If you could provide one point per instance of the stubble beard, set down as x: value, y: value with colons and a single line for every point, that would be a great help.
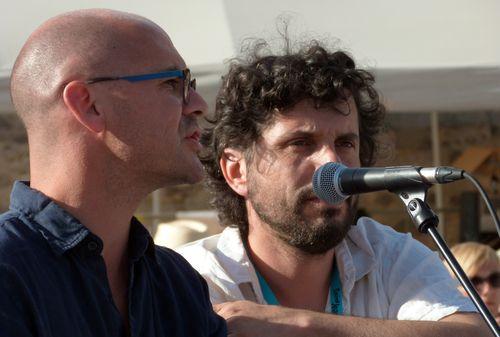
x: 292, y: 226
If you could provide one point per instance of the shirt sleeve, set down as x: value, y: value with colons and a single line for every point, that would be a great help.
x: 420, y: 287
x: 16, y: 317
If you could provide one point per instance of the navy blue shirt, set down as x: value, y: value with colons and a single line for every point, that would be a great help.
x: 53, y: 279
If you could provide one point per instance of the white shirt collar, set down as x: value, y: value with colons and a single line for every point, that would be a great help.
x: 354, y: 255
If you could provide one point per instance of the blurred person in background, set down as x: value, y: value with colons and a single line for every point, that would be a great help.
x: 481, y: 264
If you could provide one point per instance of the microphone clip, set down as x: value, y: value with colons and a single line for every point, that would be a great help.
x: 420, y: 212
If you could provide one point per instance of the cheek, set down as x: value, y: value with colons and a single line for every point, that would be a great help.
x: 124, y: 124
x: 348, y: 156
x: 352, y: 161
x: 267, y: 164
x: 164, y: 123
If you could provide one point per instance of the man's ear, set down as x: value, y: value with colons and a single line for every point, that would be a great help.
x: 234, y: 168
x: 80, y: 102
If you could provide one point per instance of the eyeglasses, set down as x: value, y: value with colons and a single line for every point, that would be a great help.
x: 182, y: 74
x: 493, y: 280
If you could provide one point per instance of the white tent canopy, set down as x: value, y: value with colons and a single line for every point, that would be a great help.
x: 427, y: 55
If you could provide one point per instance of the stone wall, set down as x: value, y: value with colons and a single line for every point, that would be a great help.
x: 407, y: 140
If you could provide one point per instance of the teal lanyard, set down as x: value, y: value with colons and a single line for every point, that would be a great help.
x: 335, y: 292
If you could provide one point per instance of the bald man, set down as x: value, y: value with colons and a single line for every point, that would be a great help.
x: 111, y: 115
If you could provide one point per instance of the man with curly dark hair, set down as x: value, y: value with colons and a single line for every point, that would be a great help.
x: 277, y: 119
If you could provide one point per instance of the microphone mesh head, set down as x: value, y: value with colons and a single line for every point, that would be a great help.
x: 326, y: 183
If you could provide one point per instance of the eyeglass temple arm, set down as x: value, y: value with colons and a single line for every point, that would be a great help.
x: 137, y: 78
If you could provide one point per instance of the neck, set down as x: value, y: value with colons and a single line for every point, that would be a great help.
x: 298, y: 279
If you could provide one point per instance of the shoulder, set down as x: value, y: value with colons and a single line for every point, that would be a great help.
x: 218, y: 254
x: 18, y: 250
x: 380, y: 239
x: 393, y: 253
x: 413, y: 276
x: 376, y: 232
x: 178, y: 275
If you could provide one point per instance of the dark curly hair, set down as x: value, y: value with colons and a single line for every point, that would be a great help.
x: 259, y: 87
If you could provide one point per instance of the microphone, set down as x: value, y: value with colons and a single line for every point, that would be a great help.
x: 334, y: 182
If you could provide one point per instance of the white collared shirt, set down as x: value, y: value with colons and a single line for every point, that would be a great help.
x: 384, y: 274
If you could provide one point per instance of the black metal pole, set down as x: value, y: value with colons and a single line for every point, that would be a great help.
x: 455, y: 266
x: 426, y: 221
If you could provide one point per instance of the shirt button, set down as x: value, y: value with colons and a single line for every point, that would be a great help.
x: 92, y: 246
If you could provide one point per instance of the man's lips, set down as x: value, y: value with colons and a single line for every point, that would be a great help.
x: 193, y: 140
x: 195, y: 135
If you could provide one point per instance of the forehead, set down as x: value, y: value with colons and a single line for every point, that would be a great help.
x: 339, y: 119
x: 149, y: 47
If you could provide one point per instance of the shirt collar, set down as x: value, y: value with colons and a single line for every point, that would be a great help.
x: 233, y: 256
x: 140, y: 241
x: 62, y: 230
x: 354, y: 255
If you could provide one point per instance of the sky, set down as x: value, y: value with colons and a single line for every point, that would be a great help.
x: 381, y: 33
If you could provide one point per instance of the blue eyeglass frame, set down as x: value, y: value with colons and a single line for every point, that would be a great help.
x: 184, y: 74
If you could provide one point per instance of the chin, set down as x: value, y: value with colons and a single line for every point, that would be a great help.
x: 197, y: 170
x: 193, y: 173
x: 189, y: 173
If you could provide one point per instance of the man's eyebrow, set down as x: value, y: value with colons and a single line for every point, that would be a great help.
x: 295, y: 134
x: 301, y: 132
x: 310, y: 133
x: 349, y: 135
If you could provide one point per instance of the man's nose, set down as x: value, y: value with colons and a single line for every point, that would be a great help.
x: 196, y: 104
x: 328, y: 154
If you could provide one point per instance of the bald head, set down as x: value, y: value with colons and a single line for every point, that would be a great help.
x: 76, y: 46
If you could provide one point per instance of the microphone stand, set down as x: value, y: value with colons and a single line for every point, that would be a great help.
x: 426, y: 221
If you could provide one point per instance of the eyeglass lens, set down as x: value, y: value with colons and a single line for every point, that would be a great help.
x: 188, y: 83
